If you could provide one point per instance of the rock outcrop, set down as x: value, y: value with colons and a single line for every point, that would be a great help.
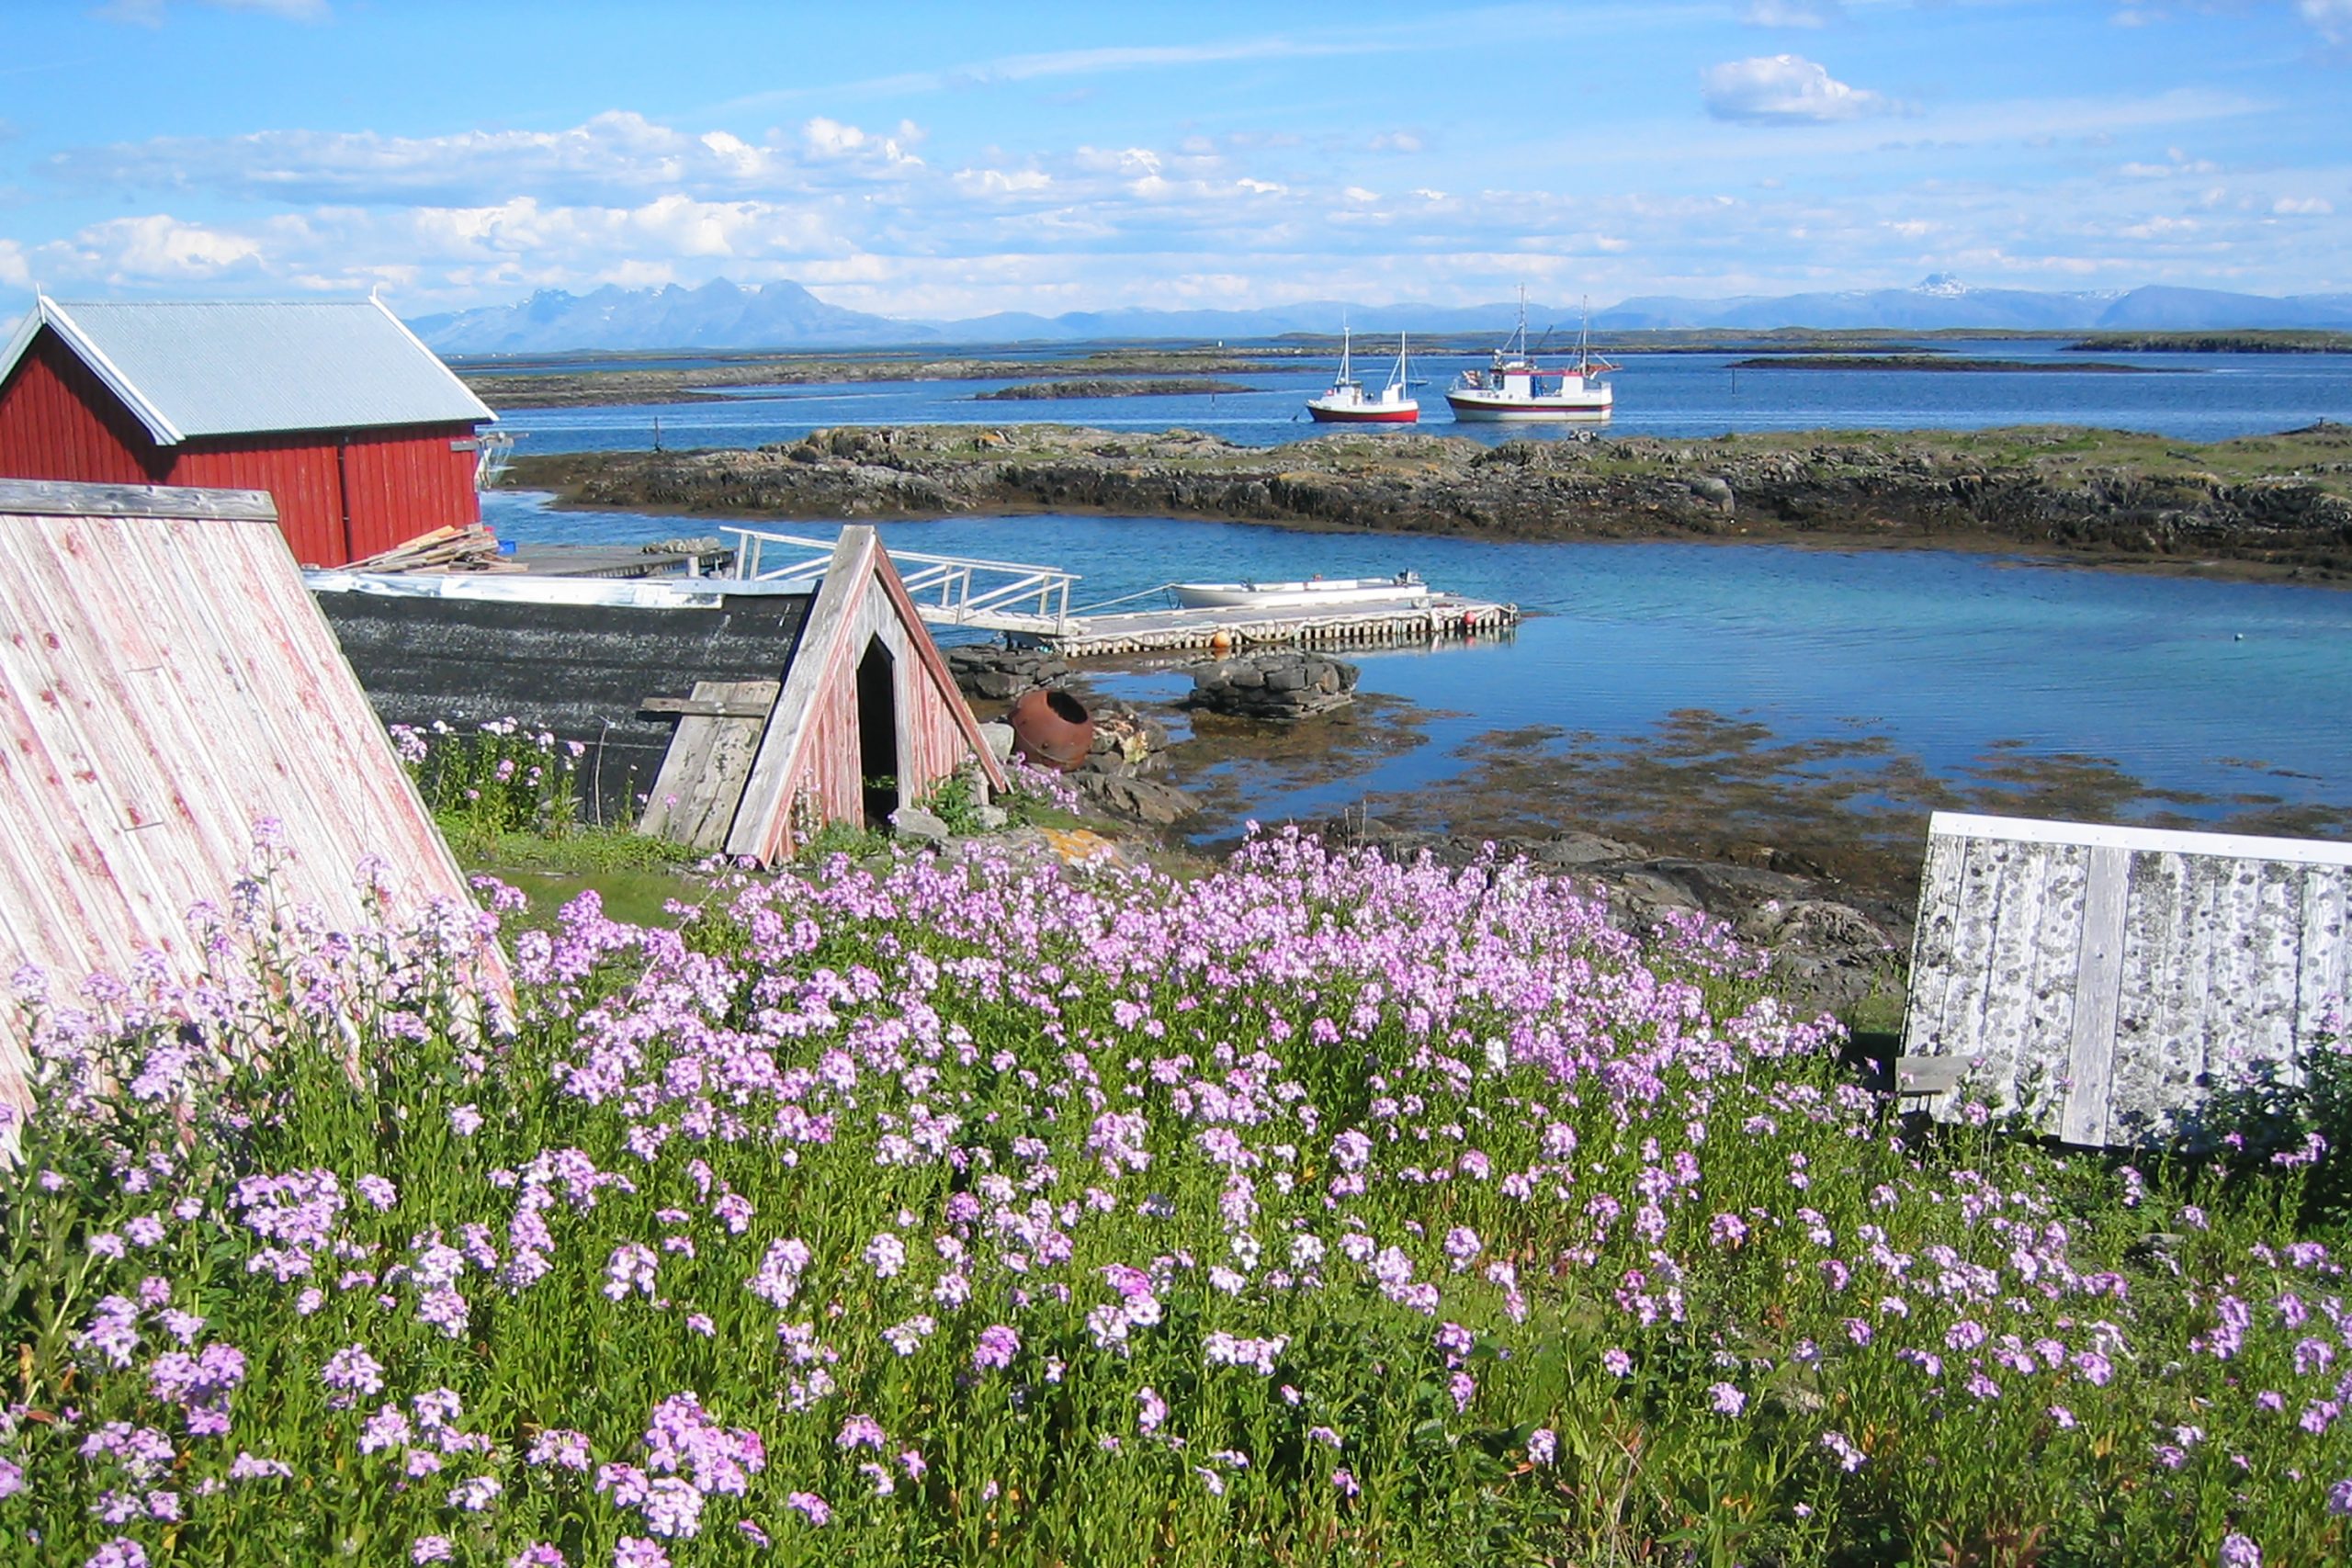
x: 2285, y: 500
x: 1283, y: 685
x: 997, y: 674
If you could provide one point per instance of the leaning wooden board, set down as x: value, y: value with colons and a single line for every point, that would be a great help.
x: 701, y: 782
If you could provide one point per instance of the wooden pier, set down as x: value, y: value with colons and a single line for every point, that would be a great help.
x: 1442, y: 619
x: 999, y: 596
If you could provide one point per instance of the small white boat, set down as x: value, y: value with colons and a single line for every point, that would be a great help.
x: 1515, y: 387
x: 1320, y: 593
x: 1348, y: 403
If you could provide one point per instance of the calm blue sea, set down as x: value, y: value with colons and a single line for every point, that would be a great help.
x: 2194, y: 396
x: 1953, y: 660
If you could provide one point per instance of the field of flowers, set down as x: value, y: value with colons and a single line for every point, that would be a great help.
x: 1318, y: 1210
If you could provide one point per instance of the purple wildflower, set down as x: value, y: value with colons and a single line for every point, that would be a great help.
x: 998, y: 1345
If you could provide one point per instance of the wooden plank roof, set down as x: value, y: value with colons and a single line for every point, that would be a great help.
x: 166, y: 683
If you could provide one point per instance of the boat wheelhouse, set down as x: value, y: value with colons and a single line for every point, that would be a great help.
x: 1515, y: 387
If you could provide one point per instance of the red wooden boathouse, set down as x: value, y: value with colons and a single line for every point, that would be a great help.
x: 363, y: 438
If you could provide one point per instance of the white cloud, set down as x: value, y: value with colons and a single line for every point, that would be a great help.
x: 2331, y: 19
x: 161, y: 248
x: 1782, y: 89
x: 2176, y: 163
x: 13, y: 273
x: 1792, y: 13
x: 1396, y: 142
x: 832, y: 139
x: 1002, y: 182
x: 615, y: 150
x: 150, y: 13
x: 2303, y: 206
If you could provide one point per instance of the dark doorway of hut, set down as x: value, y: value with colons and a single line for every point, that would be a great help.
x: 877, y: 733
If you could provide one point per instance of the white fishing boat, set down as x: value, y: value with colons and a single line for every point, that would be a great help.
x: 1514, y: 386
x: 1315, y: 593
x: 1347, y: 403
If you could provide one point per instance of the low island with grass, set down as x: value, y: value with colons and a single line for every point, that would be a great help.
x: 2275, y: 505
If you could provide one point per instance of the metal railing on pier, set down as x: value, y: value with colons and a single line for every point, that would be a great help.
x: 954, y: 591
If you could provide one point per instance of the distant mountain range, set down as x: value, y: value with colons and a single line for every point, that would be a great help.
x: 721, y: 315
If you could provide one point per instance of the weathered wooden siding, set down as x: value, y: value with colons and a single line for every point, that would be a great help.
x: 809, y: 760
x: 165, y: 682
x: 58, y: 421
x: 2110, y: 977
x: 579, y: 670
x: 392, y: 485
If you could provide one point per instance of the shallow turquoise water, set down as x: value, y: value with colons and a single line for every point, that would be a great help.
x: 2216, y: 688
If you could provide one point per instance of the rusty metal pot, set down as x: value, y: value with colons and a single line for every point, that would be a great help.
x: 1052, y: 728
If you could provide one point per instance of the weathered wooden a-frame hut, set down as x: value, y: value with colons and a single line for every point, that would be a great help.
x: 166, y: 683
x: 2107, y: 979
x: 868, y: 719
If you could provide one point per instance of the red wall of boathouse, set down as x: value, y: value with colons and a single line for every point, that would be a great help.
x: 341, y: 495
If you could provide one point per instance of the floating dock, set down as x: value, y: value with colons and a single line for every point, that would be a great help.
x: 1440, y: 618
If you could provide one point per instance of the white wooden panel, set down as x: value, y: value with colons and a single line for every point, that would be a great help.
x: 2198, y: 961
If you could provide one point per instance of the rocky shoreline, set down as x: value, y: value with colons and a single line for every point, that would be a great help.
x: 2270, y: 507
x: 1112, y: 387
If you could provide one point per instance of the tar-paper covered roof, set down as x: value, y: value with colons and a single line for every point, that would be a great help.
x: 191, y: 370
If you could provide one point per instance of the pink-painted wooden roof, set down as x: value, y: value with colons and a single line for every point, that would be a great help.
x: 165, y: 682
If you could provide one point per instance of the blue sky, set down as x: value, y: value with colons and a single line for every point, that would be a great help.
x: 949, y: 160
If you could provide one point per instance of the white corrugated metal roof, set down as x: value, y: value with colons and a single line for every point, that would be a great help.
x: 233, y: 369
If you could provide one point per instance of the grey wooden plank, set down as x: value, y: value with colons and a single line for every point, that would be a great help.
x: 2320, y: 977
x: 2232, y: 995
x: 1929, y: 1076
x: 702, y: 776
x: 62, y: 498
x: 2044, y: 1042
x: 700, y: 706
x: 2098, y: 981
x: 2004, y: 1041
x: 2154, y: 936
x: 1931, y: 943
x: 2166, y: 1077
x: 1975, y: 907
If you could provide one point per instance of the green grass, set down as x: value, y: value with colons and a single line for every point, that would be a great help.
x: 635, y: 876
